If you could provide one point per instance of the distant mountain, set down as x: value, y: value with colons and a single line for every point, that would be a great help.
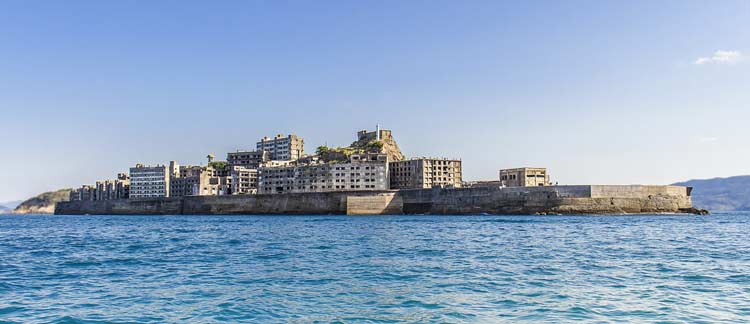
x: 721, y: 194
x: 4, y: 210
x: 43, y: 203
x: 10, y: 204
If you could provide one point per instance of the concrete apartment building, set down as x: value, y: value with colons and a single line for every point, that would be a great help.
x: 278, y: 166
x: 248, y: 159
x: 363, y: 172
x: 85, y: 192
x: 75, y: 194
x: 198, y: 181
x: 188, y: 176
x: 276, y: 179
x: 244, y: 180
x: 111, y: 189
x: 151, y: 181
x: 282, y: 147
x: 524, y: 177
x: 421, y: 173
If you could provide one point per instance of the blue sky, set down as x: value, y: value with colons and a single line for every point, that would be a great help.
x: 597, y: 91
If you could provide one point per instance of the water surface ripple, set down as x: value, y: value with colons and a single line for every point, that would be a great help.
x: 338, y: 269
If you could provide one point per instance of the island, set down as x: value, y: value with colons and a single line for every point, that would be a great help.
x: 369, y: 177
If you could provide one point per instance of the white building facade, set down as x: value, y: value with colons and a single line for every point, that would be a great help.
x: 149, y: 181
x: 282, y: 147
x: 363, y: 172
x: 244, y: 180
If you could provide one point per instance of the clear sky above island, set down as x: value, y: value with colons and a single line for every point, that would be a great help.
x: 597, y: 91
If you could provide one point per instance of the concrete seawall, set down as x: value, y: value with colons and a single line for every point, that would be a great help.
x: 588, y: 199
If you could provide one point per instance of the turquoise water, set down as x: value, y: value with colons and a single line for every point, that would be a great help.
x: 256, y: 269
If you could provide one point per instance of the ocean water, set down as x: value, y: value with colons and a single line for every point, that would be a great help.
x: 399, y: 269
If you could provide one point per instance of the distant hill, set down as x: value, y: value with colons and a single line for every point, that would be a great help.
x: 10, y: 204
x: 4, y: 210
x: 44, y: 203
x: 721, y: 194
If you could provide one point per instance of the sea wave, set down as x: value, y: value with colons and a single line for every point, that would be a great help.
x: 261, y: 269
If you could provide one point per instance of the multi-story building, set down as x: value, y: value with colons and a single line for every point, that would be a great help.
x: 524, y: 177
x: 104, y: 189
x: 248, y: 159
x: 75, y: 194
x: 244, y: 181
x: 122, y: 186
x: 113, y: 189
x: 85, y: 192
x: 276, y: 179
x: 186, y: 178
x: 363, y: 172
x: 425, y: 173
x: 275, y: 164
x: 174, y: 169
x: 217, y: 186
x: 150, y: 181
x: 198, y: 181
x: 282, y: 147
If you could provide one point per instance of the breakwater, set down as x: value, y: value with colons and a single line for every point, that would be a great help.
x: 584, y: 199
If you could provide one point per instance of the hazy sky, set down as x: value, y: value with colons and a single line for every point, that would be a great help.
x: 597, y: 91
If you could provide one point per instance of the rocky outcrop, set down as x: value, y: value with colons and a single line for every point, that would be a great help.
x: 366, y: 143
x: 43, y: 203
x: 386, y: 144
x: 694, y: 211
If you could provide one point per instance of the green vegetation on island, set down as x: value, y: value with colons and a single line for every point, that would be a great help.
x: 218, y: 165
x: 342, y: 154
x: 43, y: 203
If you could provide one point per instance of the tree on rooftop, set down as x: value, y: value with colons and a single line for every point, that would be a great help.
x: 321, y: 149
x: 218, y: 165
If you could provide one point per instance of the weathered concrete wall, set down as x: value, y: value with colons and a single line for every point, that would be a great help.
x: 552, y: 199
x: 636, y: 191
x: 370, y: 203
x: 145, y: 206
x: 311, y: 203
x: 526, y: 200
x: 378, y: 204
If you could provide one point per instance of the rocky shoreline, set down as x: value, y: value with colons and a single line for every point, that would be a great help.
x: 44, y: 203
